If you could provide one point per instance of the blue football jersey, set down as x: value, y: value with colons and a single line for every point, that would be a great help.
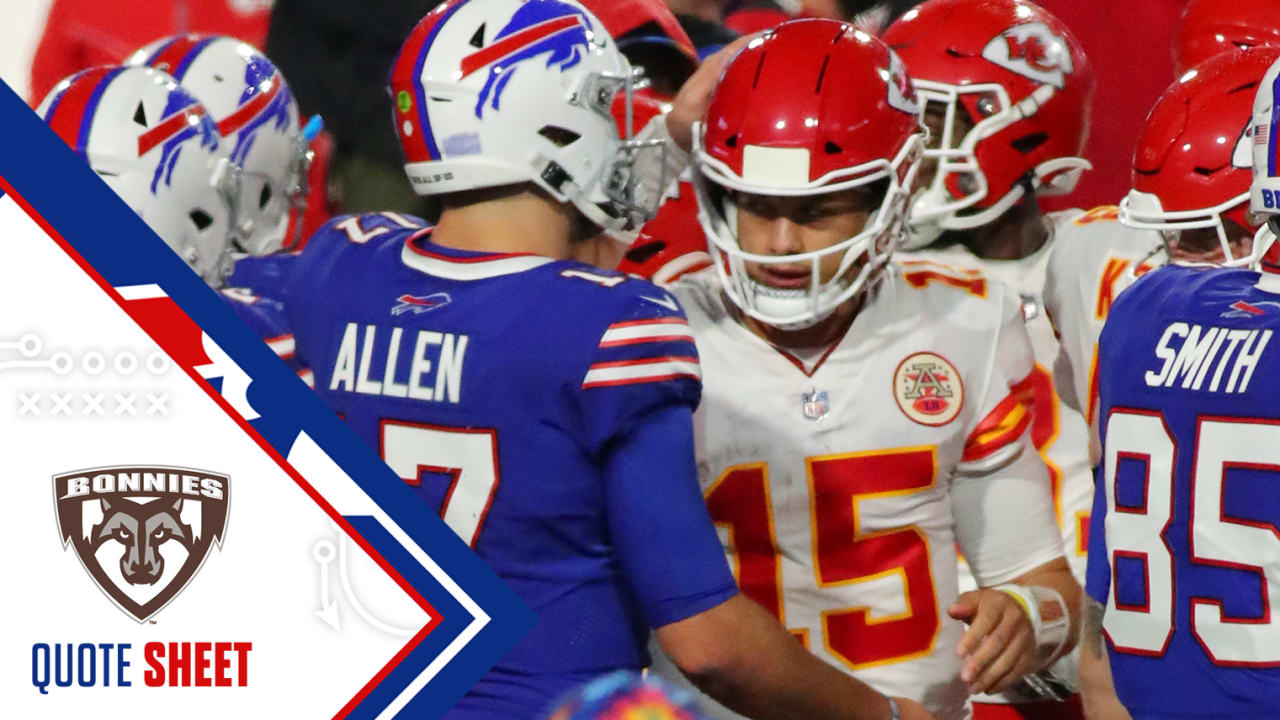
x: 267, y: 318
x: 1185, y: 545
x: 267, y: 275
x: 543, y: 408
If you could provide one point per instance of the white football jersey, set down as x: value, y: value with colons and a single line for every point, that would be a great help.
x: 1058, y: 430
x: 843, y: 482
x: 1093, y: 258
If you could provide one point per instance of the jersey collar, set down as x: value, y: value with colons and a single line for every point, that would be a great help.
x: 425, y: 256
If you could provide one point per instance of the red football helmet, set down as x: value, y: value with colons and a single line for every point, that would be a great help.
x: 649, y: 34
x: 1210, y: 27
x: 1025, y: 88
x: 813, y: 107
x: 672, y: 244
x: 1194, y: 158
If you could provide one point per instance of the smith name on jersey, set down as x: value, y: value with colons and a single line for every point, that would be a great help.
x: 1185, y: 552
x: 517, y: 395
x: 843, y: 481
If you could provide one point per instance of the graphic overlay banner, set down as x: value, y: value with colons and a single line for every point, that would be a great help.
x: 192, y: 530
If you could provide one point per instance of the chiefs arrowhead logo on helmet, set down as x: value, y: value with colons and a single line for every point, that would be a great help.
x: 1242, y: 156
x: 902, y: 95
x: 1032, y: 50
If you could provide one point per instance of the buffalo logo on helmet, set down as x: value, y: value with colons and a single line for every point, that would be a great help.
x: 1033, y: 51
x: 928, y: 389
x: 141, y: 532
x: 535, y: 29
x: 184, y: 119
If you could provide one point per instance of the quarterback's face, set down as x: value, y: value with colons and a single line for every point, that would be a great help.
x: 780, y: 226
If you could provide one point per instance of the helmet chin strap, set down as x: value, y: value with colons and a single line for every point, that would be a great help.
x: 777, y: 302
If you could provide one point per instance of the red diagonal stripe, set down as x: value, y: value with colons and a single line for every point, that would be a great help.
x: 170, y: 57
x: 236, y: 120
x: 506, y: 46
x: 167, y: 129
x: 69, y: 113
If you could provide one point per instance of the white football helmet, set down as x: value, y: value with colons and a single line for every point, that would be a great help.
x: 256, y: 113
x: 155, y: 145
x: 514, y: 91
x: 1264, y: 192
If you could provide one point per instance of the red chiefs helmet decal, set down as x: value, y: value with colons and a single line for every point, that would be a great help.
x: 1032, y: 50
x: 1242, y: 156
x: 901, y: 94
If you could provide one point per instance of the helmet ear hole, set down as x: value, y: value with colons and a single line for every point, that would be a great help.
x: 264, y: 197
x: 1028, y: 143
x: 140, y: 115
x: 833, y: 148
x: 201, y: 219
x: 561, y: 137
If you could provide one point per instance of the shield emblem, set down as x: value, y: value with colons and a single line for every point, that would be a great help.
x: 141, y: 532
x: 815, y: 405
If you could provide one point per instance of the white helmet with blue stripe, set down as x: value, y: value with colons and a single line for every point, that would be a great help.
x: 501, y: 92
x: 256, y: 113
x: 1264, y: 193
x: 155, y: 145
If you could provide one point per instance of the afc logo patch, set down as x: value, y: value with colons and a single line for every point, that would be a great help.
x: 928, y: 389
x: 141, y: 532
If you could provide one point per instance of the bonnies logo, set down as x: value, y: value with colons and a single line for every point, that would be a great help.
x: 141, y: 532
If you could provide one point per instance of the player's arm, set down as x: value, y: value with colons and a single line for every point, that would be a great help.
x: 1096, y: 687
x: 738, y: 654
x: 1023, y: 617
x: 672, y: 558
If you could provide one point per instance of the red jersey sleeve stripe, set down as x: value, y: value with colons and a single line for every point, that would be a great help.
x: 1004, y: 424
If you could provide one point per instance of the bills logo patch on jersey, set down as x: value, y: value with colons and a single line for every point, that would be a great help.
x: 928, y: 389
x: 418, y: 304
x: 141, y: 532
x: 1032, y: 50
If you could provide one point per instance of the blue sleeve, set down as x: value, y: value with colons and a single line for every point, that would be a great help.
x: 1097, y: 575
x: 644, y: 360
x: 669, y: 550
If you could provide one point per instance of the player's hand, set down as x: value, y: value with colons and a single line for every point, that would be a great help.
x: 690, y: 104
x: 998, y: 647
x: 912, y: 710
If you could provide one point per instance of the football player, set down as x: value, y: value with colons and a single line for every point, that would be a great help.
x: 1006, y: 91
x: 1187, y: 560
x: 159, y: 149
x: 1189, y: 188
x: 542, y: 406
x: 255, y: 111
x: 860, y: 420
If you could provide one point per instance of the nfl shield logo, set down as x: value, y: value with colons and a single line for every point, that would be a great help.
x: 815, y: 405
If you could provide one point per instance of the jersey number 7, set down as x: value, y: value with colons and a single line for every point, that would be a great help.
x: 468, y: 456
